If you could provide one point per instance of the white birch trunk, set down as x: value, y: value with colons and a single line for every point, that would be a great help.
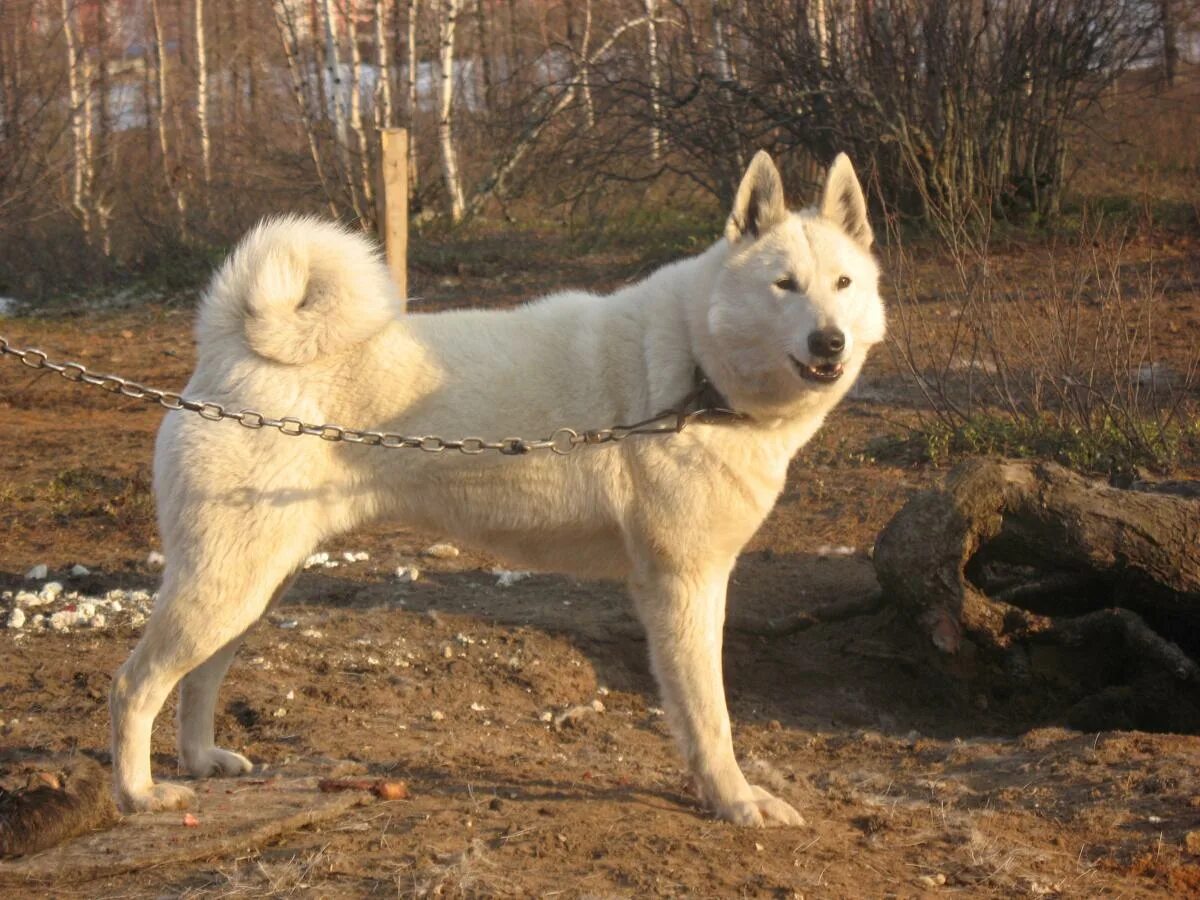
x: 655, y: 79
x: 447, y: 23
x: 413, y: 59
x: 356, y: 122
x: 822, y: 29
x: 202, y: 107
x: 178, y: 198
x: 721, y: 42
x: 585, y: 70
x: 333, y: 66
x: 383, y: 81
x: 79, y: 162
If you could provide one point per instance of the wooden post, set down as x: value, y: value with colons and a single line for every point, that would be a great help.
x: 394, y: 144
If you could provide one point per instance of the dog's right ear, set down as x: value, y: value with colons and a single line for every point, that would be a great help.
x: 759, y: 205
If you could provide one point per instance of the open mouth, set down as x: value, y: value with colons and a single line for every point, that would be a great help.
x: 826, y: 373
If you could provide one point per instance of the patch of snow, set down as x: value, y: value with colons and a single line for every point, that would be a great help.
x: 37, y: 572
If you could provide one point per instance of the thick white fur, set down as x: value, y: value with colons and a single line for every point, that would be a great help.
x: 300, y: 321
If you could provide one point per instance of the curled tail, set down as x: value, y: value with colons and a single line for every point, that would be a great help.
x: 296, y: 289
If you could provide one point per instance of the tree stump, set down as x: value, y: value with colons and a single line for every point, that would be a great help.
x: 1009, y: 556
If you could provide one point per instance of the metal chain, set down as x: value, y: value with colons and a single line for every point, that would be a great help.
x: 561, y: 441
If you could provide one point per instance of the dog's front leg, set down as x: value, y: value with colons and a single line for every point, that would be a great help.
x: 684, y: 615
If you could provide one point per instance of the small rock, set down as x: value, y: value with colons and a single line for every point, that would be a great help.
x: 279, y: 713
x: 1191, y: 842
x: 16, y: 618
x: 547, y: 716
x: 496, y: 804
x: 63, y: 620
x: 448, y: 652
x: 291, y: 695
x: 407, y: 574
x: 597, y: 706
x: 312, y: 633
x: 441, y: 550
x: 437, y: 715
x: 28, y: 600
x: 288, y: 624
x: 41, y: 570
x: 505, y: 578
x: 154, y: 558
x: 190, y: 821
x: 97, y: 621
x: 758, y: 848
x: 78, y: 571
x: 316, y: 559
x: 478, y: 707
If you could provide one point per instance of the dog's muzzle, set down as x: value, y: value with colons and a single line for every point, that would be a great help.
x: 825, y: 373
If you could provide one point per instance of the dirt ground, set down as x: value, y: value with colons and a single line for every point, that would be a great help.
x: 914, y: 780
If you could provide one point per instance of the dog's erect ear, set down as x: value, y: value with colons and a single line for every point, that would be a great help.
x: 759, y: 205
x: 843, y: 203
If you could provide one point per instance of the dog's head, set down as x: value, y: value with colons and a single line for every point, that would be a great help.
x: 796, y: 305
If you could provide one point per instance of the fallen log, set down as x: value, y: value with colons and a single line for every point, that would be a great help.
x: 1006, y: 551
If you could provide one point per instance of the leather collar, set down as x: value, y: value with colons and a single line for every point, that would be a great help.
x: 707, y: 404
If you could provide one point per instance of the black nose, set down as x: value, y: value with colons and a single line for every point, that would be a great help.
x: 826, y: 342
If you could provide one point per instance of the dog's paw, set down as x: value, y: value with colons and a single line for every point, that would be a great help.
x: 159, y: 797
x: 215, y: 762
x: 759, y: 810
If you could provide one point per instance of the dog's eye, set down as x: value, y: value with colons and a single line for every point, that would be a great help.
x: 843, y: 282
x: 787, y: 283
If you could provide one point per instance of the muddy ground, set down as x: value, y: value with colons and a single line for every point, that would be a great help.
x: 913, y: 779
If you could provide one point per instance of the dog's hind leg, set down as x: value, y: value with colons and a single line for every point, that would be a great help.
x: 197, y: 623
x: 198, y: 753
x: 684, y: 615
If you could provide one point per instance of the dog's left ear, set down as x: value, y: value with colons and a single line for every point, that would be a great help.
x: 759, y: 205
x: 842, y: 202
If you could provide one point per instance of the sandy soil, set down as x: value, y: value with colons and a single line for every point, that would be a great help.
x: 914, y: 779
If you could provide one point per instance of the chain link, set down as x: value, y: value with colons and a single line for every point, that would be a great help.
x: 562, y: 441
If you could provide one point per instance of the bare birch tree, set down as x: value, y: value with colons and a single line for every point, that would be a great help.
x: 202, y: 108
x: 286, y: 26
x: 333, y: 66
x: 585, y: 70
x: 411, y: 84
x: 178, y: 199
x: 655, y: 79
x: 446, y: 27
x: 80, y: 110
x: 356, y: 121
x: 383, y: 77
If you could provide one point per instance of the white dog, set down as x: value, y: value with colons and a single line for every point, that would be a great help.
x: 303, y: 321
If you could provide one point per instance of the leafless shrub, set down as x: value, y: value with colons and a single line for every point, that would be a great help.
x: 1078, y: 366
